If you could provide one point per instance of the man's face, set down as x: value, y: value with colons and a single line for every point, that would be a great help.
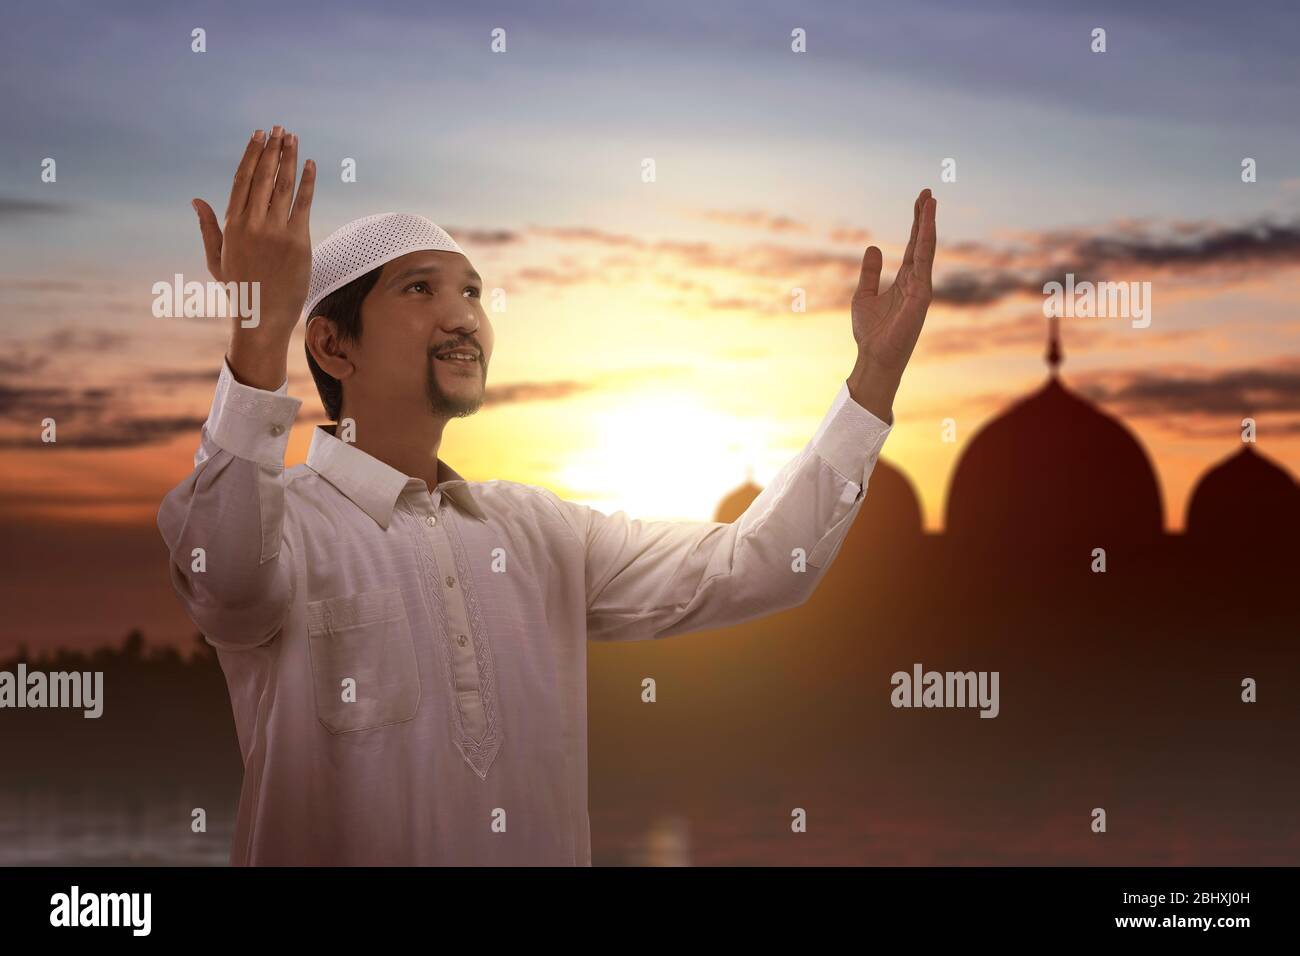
x: 424, y: 305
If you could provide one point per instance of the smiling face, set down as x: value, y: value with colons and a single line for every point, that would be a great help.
x: 424, y: 306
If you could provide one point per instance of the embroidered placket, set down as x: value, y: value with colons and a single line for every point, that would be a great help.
x: 462, y: 646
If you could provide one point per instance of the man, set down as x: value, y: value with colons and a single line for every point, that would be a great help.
x: 405, y: 649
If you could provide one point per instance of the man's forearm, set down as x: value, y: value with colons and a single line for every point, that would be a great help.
x: 258, y: 357
x: 874, y: 389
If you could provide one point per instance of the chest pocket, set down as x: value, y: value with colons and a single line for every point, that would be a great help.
x: 363, y: 661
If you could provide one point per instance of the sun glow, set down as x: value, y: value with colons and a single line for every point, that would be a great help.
x: 662, y: 455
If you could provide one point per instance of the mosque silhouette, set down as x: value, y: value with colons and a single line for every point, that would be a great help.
x: 1054, y: 473
x: 1162, y: 688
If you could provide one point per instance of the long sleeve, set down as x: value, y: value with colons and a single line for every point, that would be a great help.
x: 650, y: 579
x: 237, y: 589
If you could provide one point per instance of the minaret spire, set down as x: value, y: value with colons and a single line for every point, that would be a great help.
x: 1054, y: 355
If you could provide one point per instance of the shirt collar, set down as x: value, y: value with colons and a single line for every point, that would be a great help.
x: 373, y: 486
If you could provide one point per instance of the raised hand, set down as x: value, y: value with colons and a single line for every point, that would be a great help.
x: 887, y: 324
x: 266, y: 240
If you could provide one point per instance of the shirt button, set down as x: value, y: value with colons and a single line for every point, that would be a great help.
x: 461, y: 640
x: 277, y: 429
x: 450, y: 581
x: 431, y: 520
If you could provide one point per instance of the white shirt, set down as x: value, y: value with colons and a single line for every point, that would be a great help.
x: 408, y: 669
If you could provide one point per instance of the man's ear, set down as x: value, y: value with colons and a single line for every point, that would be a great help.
x: 329, y: 351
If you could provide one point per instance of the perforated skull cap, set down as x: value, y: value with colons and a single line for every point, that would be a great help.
x: 364, y: 244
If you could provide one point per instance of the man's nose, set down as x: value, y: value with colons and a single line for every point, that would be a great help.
x: 464, y: 320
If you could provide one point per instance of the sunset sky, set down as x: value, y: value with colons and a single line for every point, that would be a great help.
x: 649, y: 357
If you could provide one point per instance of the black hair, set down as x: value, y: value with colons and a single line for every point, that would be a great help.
x: 343, y: 306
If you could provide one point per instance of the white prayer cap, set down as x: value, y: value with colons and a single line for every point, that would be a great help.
x: 351, y: 251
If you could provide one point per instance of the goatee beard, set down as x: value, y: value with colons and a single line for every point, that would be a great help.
x: 443, y: 405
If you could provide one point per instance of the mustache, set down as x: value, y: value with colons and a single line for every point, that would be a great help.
x: 450, y: 347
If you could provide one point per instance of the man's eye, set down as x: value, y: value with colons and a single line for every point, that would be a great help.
x: 476, y: 295
x: 414, y: 284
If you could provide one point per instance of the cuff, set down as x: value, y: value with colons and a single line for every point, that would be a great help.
x: 249, y: 422
x: 849, y: 438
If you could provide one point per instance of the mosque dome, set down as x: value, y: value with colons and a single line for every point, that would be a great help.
x: 734, y: 505
x: 1054, y: 471
x: 1245, y: 496
x: 892, y: 509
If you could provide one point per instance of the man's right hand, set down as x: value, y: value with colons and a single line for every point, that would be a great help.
x: 266, y: 240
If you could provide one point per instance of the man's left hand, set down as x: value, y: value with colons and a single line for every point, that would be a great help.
x: 887, y: 324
